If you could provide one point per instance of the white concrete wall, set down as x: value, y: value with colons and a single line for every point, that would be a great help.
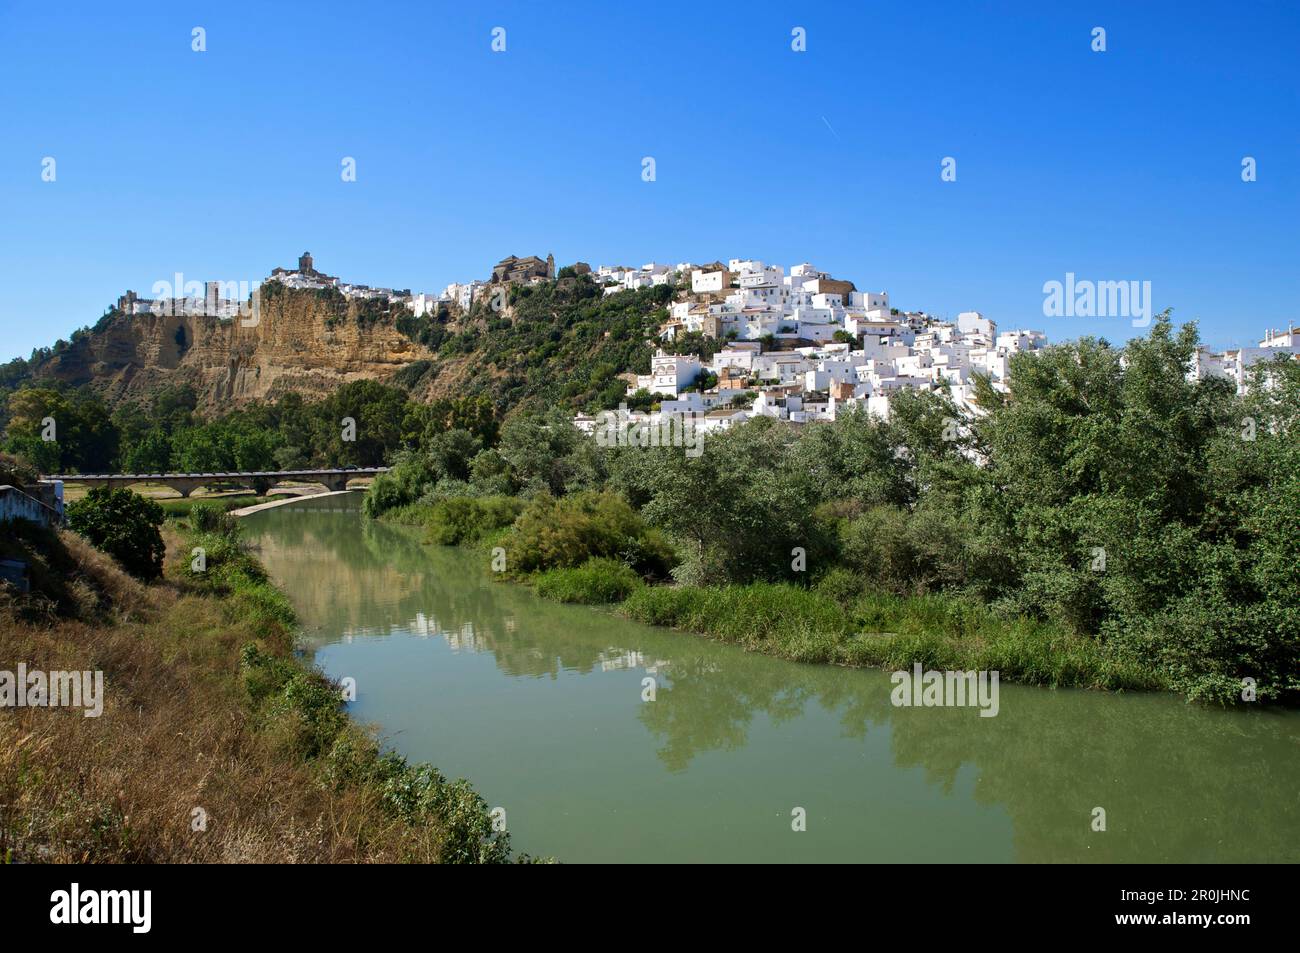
x: 17, y: 505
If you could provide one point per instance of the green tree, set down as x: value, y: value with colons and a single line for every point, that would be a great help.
x: 124, y: 525
x: 376, y: 410
x: 539, y: 448
x: 452, y: 452
x: 85, y: 439
x: 738, y: 509
x: 150, y: 454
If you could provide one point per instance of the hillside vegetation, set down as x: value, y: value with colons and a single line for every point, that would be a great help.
x: 558, y: 345
x: 1109, y: 523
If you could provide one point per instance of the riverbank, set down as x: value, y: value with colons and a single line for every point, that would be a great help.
x: 608, y: 740
x: 285, y: 501
x: 833, y: 622
x: 890, y: 632
x: 216, y: 741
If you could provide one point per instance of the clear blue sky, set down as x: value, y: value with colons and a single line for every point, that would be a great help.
x: 224, y: 164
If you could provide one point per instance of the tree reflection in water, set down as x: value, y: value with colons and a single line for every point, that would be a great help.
x: 1177, y: 782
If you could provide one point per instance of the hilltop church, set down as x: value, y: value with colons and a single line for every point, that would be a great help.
x: 522, y: 269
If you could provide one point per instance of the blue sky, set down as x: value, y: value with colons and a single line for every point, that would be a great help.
x: 1122, y: 165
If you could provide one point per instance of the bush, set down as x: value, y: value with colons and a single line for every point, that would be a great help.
x: 464, y: 519
x: 595, y: 582
x: 16, y: 472
x: 490, y: 474
x: 124, y: 525
x: 841, y: 585
x: 418, y: 794
x: 405, y: 483
x: 248, y: 594
x: 876, y: 544
x: 558, y: 534
x: 212, y: 518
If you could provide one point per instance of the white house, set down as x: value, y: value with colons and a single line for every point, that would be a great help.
x: 669, y: 374
x: 710, y: 282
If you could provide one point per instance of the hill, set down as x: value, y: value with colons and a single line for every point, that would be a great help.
x: 556, y: 341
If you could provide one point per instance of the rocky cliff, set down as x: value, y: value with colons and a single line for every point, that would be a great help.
x: 561, y: 343
x: 300, y: 341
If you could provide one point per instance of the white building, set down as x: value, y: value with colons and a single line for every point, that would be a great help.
x: 710, y: 282
x: 669, y: 375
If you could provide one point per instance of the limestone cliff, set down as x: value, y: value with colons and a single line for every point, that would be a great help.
x: 561, y: 343
x: 301, y: 341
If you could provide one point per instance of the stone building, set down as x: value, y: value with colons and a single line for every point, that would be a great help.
x: 522, y: 269
x: 307, y: 269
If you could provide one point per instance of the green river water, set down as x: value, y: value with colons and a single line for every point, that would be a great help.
x: 540, y: 706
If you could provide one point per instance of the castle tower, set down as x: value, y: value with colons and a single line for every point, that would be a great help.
x: 304, y: 263
x: 550, y: 265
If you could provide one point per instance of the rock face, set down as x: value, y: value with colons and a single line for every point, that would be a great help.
x: 299, y: 341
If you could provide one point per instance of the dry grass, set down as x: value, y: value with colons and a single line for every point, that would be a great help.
x: 177, y: 733
x: 69, y: 578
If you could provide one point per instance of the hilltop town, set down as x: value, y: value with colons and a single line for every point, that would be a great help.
x: 798, y: 346
x: 802, y: 346
x: 740, y: 338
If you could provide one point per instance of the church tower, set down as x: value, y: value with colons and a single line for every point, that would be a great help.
x: 550, y: 265
x: 304, y: 263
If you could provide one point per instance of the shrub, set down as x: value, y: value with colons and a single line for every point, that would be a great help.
x: 877, y: 544
x: 490, y: 474
x: 842, y: 585
x: 212, y: 518
x: 418, y: 794
x: 557, y: 534
x: 234, y: 572
x: 15, y: 472
x: 595, y: 582
x: 124, y: 525
x: 405, y: 483
x: 464, y: 519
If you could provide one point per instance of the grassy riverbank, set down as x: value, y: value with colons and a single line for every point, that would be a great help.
x: 830, y: 623
x: 180, y: 507
x: 216, y: 742
x: 1142, y: 516
x: 876, y: 630
x: 887, y: 631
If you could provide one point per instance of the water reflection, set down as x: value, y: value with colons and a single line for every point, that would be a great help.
x: 1176, y: 782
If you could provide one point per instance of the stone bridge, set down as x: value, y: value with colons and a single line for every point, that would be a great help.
x: 259, y: 480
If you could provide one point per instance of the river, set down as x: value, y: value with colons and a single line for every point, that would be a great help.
x: 541, y: 707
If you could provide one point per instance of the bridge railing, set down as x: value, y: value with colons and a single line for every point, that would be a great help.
x: 216, y: 475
